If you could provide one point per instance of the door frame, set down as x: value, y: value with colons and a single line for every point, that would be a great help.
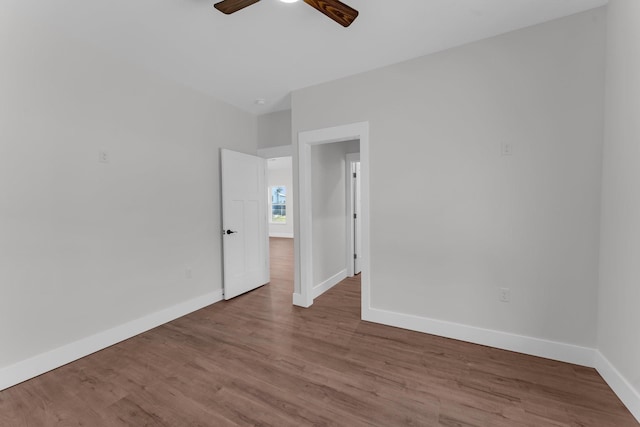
x: 350, y: 159
x: 303, y: 293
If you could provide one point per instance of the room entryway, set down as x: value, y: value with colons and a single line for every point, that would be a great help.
x: 281, y: 261
x: 323, y: 239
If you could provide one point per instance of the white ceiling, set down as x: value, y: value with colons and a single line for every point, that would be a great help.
x: 271, y: 48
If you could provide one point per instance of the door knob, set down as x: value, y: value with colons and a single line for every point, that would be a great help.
x: 231, y: 232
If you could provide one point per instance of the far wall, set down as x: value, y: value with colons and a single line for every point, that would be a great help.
x: 274, y: 129
x: 280, y: 172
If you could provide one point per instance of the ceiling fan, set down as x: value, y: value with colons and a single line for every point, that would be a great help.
x: 334, y: 9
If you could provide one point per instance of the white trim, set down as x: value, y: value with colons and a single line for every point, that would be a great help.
x: 569, y: 353
x: 299, y: 301
x: 284, y: 235
x: 44, y: 362
x: 304, y: 238
x: 629, y: 395
x: 350, y: 158
x: 323, y: 287
x: 304, y: 254
x: 274, y: 152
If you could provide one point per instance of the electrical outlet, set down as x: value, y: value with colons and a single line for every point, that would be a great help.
x: 505, y: 295
x: 507, y: 149
x: 187, y: 273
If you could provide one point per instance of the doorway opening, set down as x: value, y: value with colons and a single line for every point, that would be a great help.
x: 307, y: 286
x: 354, y: 208
x: 280, y: 214
x: 281, y: 217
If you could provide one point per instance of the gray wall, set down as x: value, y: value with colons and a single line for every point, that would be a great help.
x: 452, y: 220
x: 619, y: 313
x: 86, y: 246
x: 329, y: 208
x: 274, y: 129
x: 282, y: 175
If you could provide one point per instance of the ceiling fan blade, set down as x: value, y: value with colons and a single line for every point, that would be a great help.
x: 231, y: 6
x: 336, y: 10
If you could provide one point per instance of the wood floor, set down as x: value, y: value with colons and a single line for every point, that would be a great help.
x: 257, y: 360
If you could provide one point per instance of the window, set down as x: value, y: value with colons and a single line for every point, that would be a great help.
x: 279, y: 204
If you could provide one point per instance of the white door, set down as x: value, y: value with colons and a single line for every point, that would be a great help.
x: 244, y: 223
x: 357, y: 241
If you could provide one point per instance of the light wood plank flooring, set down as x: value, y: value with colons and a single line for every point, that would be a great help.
x: 257, y: 360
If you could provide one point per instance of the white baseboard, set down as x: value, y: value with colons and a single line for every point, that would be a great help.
x: 329, y: 283
x: 585, y: 356
x: 319, y: 289
x: 300, y: 301
x: 44, y: 362
x: 284, y: 235
x: 522, y: 344
x: 629, y: 395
